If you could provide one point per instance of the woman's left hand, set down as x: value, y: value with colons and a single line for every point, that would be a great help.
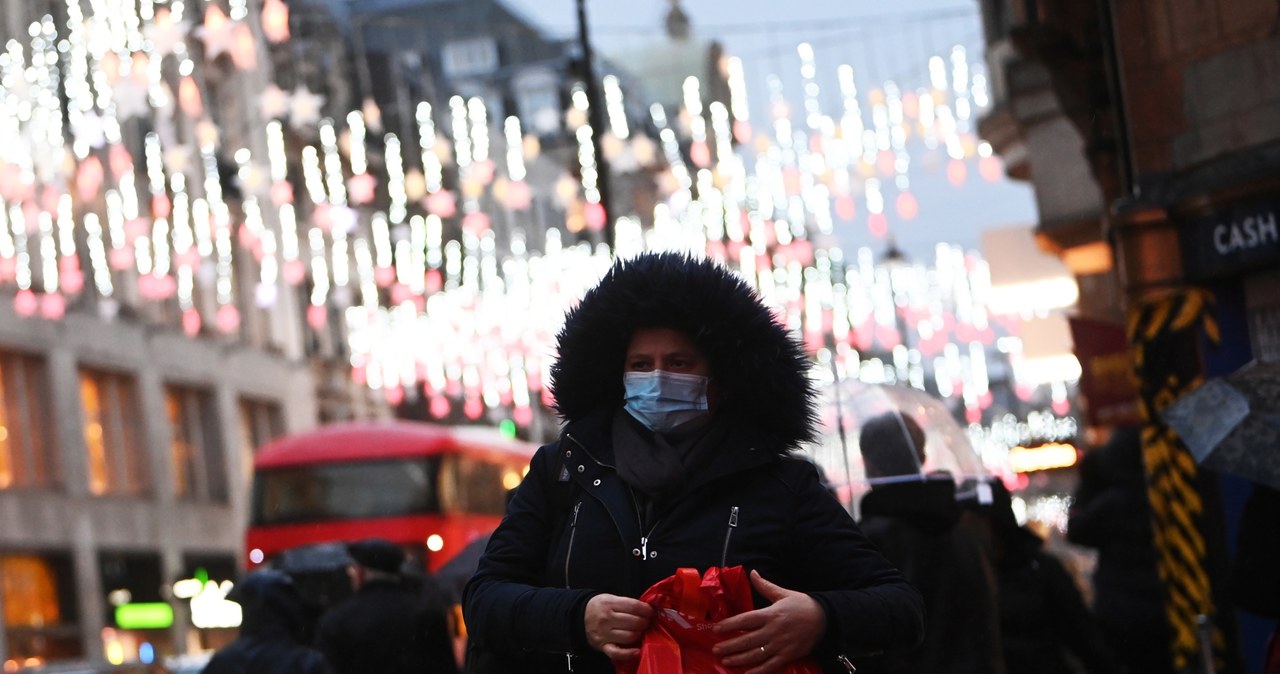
x: 769, y: 638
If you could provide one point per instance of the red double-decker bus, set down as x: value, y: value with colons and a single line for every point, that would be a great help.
x: 431, y: 489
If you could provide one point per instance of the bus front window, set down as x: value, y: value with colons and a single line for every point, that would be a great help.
x: 334, y: 491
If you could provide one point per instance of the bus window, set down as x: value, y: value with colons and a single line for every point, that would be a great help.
x: 472, y: 486
x: 336, y: 491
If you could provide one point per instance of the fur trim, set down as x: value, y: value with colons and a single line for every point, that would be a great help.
x: 760, y: 370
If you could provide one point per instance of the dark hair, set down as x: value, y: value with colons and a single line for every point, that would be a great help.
x: 892, y: 444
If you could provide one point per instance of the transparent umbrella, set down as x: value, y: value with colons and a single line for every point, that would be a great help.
x: 880, y: 433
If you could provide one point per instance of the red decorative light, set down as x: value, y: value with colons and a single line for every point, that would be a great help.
x: 294, y: 272
x: 442, y: 203
x: 281, y: 193
x: 957, y: 172
x: 275, y: 21
x: 846, y: 207
x: 191, y: 322
x: 361, y: 187
x: 700, y: 154
x: 439, y: 406
x: 595, y: 216
x: 228, y: 318
x: 317, y: 316
x: 878, y: 225
x: 89, y: 178
x: 25, y: 303
x: 991, y: 168
x: 907, y: 206
x: 52, y: 306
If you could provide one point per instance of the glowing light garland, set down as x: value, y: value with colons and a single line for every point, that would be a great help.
x: 429, y: 303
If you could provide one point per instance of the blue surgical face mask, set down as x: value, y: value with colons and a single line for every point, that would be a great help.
x: 663, y: 400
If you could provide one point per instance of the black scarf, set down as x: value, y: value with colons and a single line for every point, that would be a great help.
x: 657, y: 465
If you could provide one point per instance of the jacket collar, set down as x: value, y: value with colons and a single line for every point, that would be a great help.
x: 741, y: 449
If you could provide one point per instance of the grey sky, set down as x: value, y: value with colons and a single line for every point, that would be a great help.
x: 880, y: 40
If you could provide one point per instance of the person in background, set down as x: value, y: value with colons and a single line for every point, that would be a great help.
x: 916, y: 521
x: 388, y: 625
x: 683, y: 400
x: 1110, y: 513
x: 1045, y: 626
x: 1255, y: 572
x: 273, y: 629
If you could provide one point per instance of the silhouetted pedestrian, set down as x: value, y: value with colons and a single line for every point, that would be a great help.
x: 273, y: 629
x: 389, y: 625
x: 915, y: 520
x: 1112, y: 514
x: 1045, y: 625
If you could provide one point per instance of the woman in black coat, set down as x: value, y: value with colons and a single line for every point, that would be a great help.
x: 683, y: 400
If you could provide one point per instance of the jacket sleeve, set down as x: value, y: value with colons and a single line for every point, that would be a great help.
x: 506, y: 605
x: 871, y: 608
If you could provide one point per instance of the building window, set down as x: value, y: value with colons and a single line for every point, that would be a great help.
x: 39, y: 609
x: 466, y: 58
x: 137, y: 613
x: 261, y: 421
x: 113, y: 433
x: 195, y: 445
x: 27, y: 456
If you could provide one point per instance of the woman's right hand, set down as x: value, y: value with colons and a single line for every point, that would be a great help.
x: 615, y: 625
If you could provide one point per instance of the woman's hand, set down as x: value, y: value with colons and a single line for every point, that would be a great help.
x: 615, y: 625
x: 768, y: 639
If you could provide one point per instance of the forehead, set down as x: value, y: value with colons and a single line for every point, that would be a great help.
x: 660, y: 340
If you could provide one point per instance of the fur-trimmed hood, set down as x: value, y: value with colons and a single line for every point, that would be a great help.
x: 761, y: 371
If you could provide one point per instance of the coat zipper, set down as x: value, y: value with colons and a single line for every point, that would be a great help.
x: 568, y: 554
x: 733, y: 524
x: 573, y: 531
x: 848, y: 666
x: 643, y: 550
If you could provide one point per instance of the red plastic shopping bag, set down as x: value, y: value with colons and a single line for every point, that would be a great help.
x: 686, y: 606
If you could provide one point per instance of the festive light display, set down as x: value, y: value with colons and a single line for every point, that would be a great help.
x: 401, y: 244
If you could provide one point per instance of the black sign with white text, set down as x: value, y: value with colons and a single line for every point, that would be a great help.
x: 1232, y: 240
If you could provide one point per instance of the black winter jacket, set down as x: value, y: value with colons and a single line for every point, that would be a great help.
x: 573, y: 531
x: 921, y: 529
x: 573, y: 528
x: 387, y: 627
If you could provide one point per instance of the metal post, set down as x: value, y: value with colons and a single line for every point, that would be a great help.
x: 596, y: 118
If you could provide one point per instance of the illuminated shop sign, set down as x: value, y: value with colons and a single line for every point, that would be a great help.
x: 1232, y: 240
x: 148, y: 615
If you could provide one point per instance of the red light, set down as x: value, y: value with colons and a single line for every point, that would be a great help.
x: 878, y: 225
x: 908, y: 207
x: 991, y: 168
x: 846, y: 207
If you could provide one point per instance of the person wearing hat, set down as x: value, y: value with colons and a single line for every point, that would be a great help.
x: 388, y: 625
x: 914, y: 518
x: 683, y: 402
x: 274, y: 621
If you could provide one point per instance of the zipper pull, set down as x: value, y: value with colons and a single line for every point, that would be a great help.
x: 576, y: 507
x: 568, y: 657
x: 845, y: 661
x: 644, y: 547
x: 733, y: 516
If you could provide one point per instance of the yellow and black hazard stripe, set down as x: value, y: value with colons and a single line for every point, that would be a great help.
x: 1163, y: 336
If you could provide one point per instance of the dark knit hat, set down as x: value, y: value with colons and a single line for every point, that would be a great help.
x: 378, y: 554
